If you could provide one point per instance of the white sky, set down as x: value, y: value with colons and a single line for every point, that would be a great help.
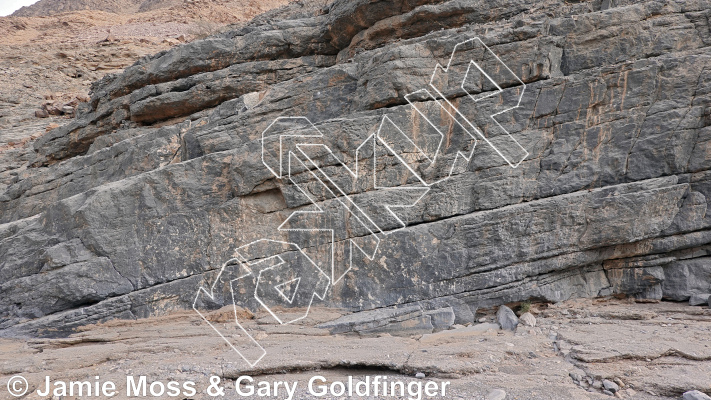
x: 7, y: 7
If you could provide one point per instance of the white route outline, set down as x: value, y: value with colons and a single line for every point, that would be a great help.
x: 298, y: 154
x: 289, y: 300
x: 500, y: 90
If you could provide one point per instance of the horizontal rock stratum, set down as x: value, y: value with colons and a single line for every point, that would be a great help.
x: 131, y: 208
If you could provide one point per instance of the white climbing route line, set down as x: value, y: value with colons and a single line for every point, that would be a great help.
x: 278, y: 275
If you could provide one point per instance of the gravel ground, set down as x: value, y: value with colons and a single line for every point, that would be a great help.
x: 653, y: 351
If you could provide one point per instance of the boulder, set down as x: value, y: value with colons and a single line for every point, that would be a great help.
x: 68, y: 110
x: 412, y: 327
x: 610, y: 386
x: 496, y: 394
x: 441, y: 319
x: 373, y: 319
x: 699, y: 299
x: 506, y: 318
x: 397, y: 321
x: 109, y: 38
x: 527, y: 319
x: 463, y: 312
x: 684, y: 278
x: 53, y: 109
x: 695, y: 395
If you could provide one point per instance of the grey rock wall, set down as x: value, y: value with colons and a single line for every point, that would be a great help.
x: 128, y: 210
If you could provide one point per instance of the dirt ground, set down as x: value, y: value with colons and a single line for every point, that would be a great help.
x: 652, y: 351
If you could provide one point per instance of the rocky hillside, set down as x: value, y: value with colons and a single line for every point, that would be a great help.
x: 334, y: 142
x: 47, y: 64
x: 44, y: 8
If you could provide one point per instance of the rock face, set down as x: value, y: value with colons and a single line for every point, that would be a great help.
x: 162, y: 178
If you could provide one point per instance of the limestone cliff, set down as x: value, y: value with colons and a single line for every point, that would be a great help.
x: 129, y: 209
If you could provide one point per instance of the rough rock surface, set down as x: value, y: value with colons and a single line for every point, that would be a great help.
x: 699, y: 299
x: 667, y: 343
x: 507, y: 319
x: 528, y: 319
x: 695, y: 395
x: 134, y: 205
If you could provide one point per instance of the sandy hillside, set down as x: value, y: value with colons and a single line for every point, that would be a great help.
x: 47, y: 63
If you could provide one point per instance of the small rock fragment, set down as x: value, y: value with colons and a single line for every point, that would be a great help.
x: 41, y: 113
x: 420, y: 375
x: 53, y: 109
x: 610, y: 385
x: 442, y: 318
x: 496, y: 394
x: 506, y: 318
x: 577, y: 375
x: 695, y: 395
x: 528, y: 319
x: 109, y: 38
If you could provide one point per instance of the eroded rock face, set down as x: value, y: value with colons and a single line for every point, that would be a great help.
x: 133, y: 206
